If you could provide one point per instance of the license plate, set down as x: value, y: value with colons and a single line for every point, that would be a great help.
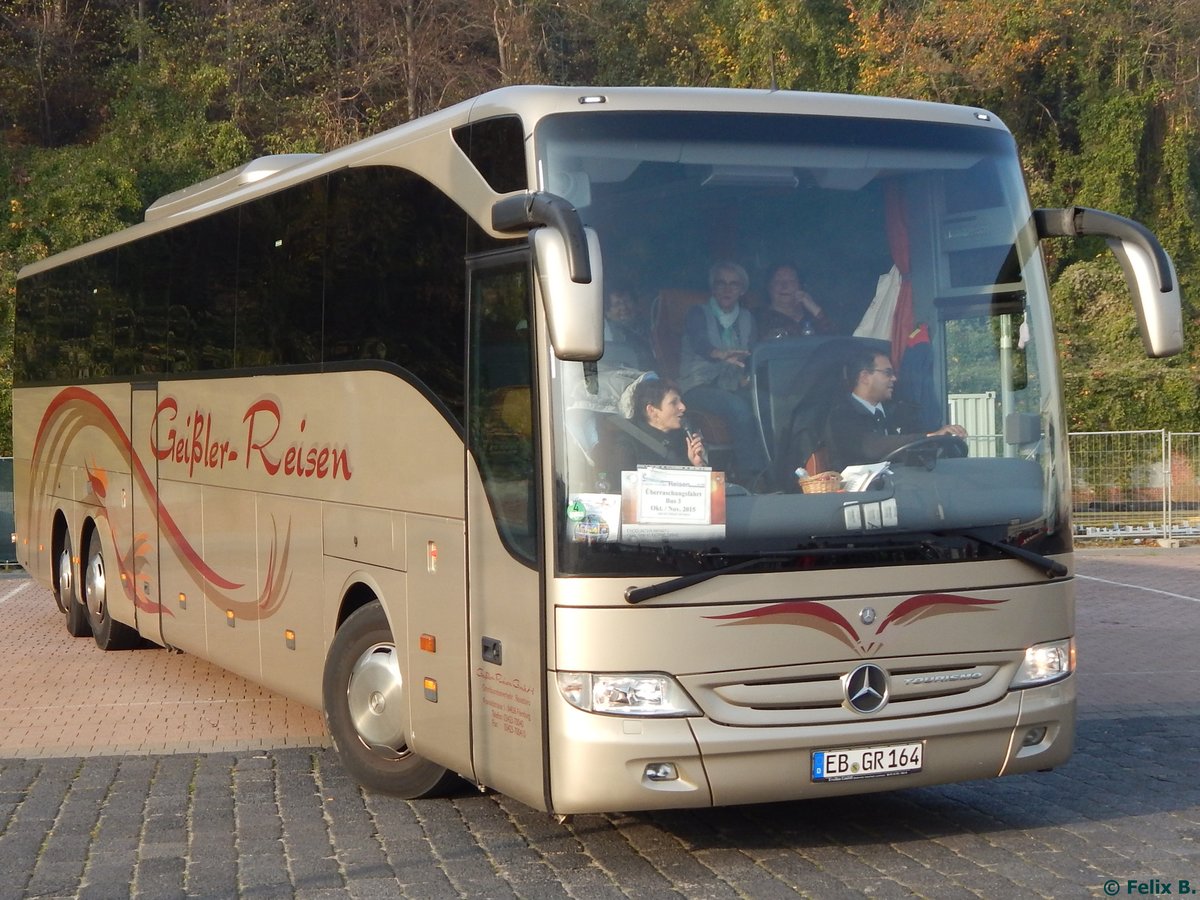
x: 866, y: 762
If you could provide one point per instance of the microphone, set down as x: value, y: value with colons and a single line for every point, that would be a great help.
x: 689, y: 431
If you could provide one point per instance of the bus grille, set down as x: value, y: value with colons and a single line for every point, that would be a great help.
x: 815, y: 695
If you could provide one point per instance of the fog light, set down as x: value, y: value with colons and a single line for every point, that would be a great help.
x: 1034, y: 736
x: 661, y: 771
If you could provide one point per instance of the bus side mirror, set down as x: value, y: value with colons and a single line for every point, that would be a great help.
x: 1149, y: 272
x: 566, y: 258
x: 574, y: 312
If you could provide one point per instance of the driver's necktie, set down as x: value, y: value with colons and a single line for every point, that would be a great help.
x: 880, y: 422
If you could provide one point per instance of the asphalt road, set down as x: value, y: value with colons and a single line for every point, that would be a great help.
x: 278, y: 818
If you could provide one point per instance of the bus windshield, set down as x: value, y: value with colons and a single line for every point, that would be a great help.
x: 767, y: 279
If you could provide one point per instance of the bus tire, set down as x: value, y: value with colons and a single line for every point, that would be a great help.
x: 366, y: 710
x: 65, y: 594
x: 109, y: 633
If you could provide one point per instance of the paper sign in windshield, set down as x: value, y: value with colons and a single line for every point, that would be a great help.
x: 672, y: 503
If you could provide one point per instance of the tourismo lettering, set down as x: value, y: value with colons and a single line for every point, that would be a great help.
x: 263, y: 424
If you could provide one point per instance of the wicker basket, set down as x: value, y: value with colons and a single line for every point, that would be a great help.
x: 822, y: 483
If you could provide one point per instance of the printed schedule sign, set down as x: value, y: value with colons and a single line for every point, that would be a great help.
x: 679, y: 502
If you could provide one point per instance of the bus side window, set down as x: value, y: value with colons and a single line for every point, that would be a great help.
x: 501, y: 419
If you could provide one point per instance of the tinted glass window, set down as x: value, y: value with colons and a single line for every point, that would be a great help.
x: 137, y: 305
x: 496, y: 147
x: 395, y: 285
x: 204, y: 283
x: 64, y: 321
x: 502, y: 412
x: 367, y: 265
x: 281, y: 250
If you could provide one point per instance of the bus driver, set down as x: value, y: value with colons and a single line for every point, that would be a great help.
x: 859, y: 428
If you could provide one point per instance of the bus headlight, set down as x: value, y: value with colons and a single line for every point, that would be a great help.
x: 1045, y: 663
x: 627, y: 694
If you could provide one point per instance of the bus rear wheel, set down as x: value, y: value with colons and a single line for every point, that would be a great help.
x: 109, y: 633
x: 366, y: 710
x: 65, y: 594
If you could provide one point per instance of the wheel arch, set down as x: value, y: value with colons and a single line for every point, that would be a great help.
x: 359, y: 587
x: 86, y: 531
x: 355, y: 595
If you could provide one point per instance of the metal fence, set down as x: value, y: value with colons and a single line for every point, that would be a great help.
x: 1136, y: 484
x: 8, y: 550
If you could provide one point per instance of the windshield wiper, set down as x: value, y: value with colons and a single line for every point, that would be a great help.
x: 639, y: 594
x: 633, y: 595
x: 1048, y: 567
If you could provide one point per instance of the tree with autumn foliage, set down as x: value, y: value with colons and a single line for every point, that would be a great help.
x: 1101, y: 97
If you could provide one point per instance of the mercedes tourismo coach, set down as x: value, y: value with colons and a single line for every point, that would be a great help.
x: 336, y: 423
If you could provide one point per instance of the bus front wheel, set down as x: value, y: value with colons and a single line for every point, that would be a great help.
x: 366, y: 710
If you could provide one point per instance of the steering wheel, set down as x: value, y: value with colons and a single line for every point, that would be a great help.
x: 925, y: 451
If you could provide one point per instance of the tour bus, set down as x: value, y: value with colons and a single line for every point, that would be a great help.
x: 334, y: 422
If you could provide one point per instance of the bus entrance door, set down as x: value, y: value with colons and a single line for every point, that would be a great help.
x: 147, y: 507
x: 506, y: 641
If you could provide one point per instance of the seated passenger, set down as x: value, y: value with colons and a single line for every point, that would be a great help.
x: 627, y: 356
x: 717, y: 337
x: 860, y: 429
x: 626, y: 333
x: 793, y: 311
x: 653, y: 435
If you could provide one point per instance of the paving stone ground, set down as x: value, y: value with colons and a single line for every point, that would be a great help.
x: 189, y: 782
x: 61, y: 696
